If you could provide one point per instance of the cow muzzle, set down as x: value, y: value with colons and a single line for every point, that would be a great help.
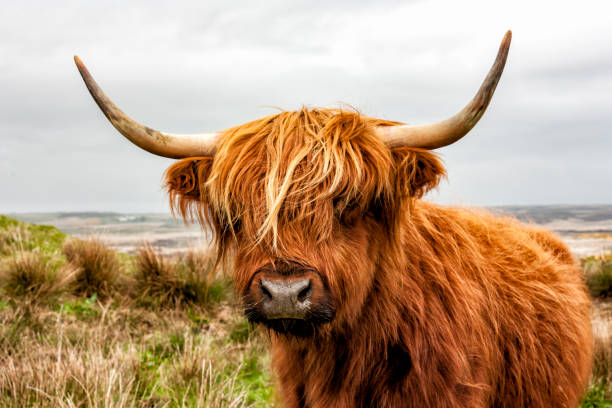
x: 284, y: 298
x: 289, y: 297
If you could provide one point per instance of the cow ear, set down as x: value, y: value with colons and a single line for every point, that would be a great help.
x: 184, y: 181
x: 417, y: 171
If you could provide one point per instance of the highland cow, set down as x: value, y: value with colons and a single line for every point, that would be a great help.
x: 373, y: 297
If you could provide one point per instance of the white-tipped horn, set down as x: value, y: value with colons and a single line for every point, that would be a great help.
x: 435, y: 135
x: 151, y: 140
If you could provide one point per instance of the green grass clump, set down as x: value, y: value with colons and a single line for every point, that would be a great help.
x: 240, y: 330
x: 598, y: 272
x: 597, y: 396
x: 7, y: 222
x: 98, y: 267
x: 16, y: 235
x: 82, y: 308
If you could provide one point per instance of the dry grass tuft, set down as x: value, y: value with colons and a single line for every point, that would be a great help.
x: 35, y: 276
x: 196, y: 269
x: 170, y: 282
x: 98, y: 267
x: 199, y: 262
x: 13, y: 238
x: 602, y: 352
x: 156, y: 277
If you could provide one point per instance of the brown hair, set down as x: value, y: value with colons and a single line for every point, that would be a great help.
x: 291, y: 168
x: 440, y: 307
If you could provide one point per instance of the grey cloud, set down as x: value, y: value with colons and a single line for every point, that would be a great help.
x: 208, y: 66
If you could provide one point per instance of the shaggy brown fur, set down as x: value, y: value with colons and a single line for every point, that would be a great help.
x: 436, y: 306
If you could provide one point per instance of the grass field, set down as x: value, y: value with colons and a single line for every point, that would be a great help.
x: 84, y: 326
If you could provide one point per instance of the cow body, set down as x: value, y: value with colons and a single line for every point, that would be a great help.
x: 422, y: 305
x: 482, y: 312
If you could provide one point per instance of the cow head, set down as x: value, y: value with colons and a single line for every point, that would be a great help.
x: 305, y: 201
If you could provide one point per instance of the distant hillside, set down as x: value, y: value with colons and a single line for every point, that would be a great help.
x: 543, y: 214
x: 76, y: 222
x: 587, y: 229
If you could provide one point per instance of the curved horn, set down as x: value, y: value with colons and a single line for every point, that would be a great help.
x: 154, y: 141
x: 435, y: 135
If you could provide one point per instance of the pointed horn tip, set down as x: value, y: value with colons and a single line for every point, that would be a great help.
x: 507, y: 39
x: 80, y: 66
x: 468, y: 117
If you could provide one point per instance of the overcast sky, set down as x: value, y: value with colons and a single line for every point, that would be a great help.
x: 208, y: 65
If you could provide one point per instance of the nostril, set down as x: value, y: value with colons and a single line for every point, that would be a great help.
x: 305, y: 293
x: 265, y: 292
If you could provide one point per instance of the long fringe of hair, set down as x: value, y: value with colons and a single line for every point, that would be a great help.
x: 299, y: 172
